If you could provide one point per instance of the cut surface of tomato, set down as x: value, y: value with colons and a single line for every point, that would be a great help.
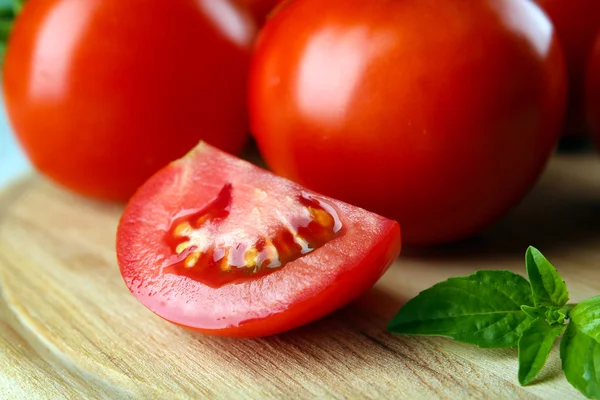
x: 219, y: 245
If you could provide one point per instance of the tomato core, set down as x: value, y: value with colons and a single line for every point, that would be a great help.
x: 205, y: 250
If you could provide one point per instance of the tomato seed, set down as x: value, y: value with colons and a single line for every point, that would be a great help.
x: 192, y: 259
x: 182, y: 230
x: 181, y: 247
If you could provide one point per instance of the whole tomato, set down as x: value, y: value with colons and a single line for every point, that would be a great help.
x: 439, y: 114
x: 576, y: 22
x: 103, y: 93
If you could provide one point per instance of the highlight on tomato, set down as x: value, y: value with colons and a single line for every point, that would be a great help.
x: 221, y: 246
x: 103, y: 93
x: 438, y: 114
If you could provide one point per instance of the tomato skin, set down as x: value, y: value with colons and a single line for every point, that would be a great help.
x: 442, y: 129
x: 103, y: 93
x: 577, y: 23
x: 301, y: 291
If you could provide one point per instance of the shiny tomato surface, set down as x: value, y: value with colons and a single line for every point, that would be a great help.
x: 439, y: 114
x: 577, y: 23
x: 103, y: 93
x: 218, y: 245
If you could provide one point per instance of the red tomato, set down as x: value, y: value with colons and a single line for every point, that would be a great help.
x: 576, y: 22
x: 218, y: 245
x: 103, y: 93
x: 593, y: 91
x: 439, y: 114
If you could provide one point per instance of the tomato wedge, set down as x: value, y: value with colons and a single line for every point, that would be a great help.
x: 216, y: 244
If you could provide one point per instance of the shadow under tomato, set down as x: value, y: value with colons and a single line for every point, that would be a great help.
x: 351, y: 350
x: 579, y: 144
x: 562, y: 213
x: 381, y: 302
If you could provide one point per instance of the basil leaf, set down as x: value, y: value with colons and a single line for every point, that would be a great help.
x: 534, y: 348
x: 580, y: 348
x: 546, y: 284
x: 482, y: 309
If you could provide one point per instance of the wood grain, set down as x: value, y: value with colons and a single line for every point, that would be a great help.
x: 70, y: 329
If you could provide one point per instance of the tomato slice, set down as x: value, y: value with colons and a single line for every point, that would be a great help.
x: 216, y: 244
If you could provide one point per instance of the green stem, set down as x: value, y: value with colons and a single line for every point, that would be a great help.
x: 567, y: 309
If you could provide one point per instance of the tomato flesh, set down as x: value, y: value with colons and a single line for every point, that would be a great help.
x: 216, y: 244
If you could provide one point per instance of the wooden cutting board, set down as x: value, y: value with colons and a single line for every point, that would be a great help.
x: 70, y: 329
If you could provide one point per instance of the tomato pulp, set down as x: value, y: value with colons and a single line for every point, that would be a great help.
x: 577, y: 23
x: 438, y: 114
x: 103, y: 93
x: 218, y: 245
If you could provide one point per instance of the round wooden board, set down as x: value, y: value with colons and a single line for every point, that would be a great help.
x: 69, y: 327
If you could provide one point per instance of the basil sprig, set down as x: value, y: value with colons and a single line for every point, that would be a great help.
x: 501, y: 309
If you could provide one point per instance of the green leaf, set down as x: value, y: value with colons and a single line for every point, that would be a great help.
x: 534, y: 348
x: 6, y: 12
x: 580, y: 348
x: 5, y: 29
x: 483, y: 309
x: 2, y: 52
x: 534, y: 312
x: 546, y: 284
x: 18, y: 6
